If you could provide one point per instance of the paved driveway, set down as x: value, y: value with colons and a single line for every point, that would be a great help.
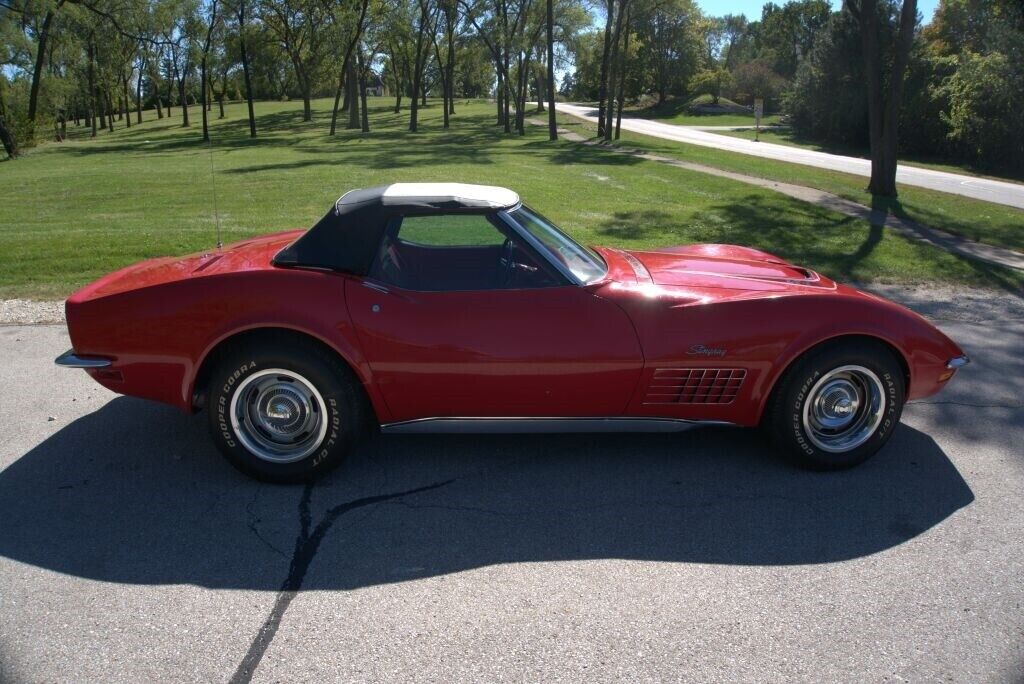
x: 1000, y: 192
x: 129, y: 551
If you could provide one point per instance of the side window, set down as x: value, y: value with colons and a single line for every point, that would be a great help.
x: 454, y: 230
x: 453, y: 252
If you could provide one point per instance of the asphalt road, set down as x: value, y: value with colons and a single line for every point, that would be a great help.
x: 129, y: 551
x: 1000, y: 192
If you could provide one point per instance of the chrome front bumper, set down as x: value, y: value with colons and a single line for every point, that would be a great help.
x: 70, y: 360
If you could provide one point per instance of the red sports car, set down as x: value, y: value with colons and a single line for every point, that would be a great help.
x: 450, y: 307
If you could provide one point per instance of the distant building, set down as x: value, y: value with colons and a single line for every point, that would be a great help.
x: 375, y: 85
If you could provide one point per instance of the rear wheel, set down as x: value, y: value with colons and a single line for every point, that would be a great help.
x: 284, y: 410
x: 838, y: 404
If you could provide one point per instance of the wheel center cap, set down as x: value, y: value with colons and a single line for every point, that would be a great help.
x: 843, y: 407
x: 279, y: 411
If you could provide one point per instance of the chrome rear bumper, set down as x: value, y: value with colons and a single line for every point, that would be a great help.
x: 70, y: 360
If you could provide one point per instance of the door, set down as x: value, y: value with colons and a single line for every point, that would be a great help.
x: 458, y: 319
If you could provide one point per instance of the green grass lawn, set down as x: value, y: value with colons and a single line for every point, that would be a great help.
x: 977, y: 220
x: 785, y: 136
x: 74, y: 211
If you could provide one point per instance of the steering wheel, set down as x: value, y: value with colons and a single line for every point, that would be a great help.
x: 507, y: 263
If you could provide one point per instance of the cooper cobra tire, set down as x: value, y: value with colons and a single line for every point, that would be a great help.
x: 283, y: 409
x: 837, y: 405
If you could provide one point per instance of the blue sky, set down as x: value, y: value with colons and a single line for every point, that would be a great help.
x: 752, y: 8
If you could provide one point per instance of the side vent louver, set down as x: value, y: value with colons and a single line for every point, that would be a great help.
x: 695, y: 385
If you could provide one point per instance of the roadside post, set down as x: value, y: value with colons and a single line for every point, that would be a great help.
x: 758, y: 112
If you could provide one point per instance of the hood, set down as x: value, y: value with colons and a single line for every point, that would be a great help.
x: 247, y: 255
x: 719, y: 266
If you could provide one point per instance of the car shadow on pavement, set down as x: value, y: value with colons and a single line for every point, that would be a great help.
x: 134, y: 493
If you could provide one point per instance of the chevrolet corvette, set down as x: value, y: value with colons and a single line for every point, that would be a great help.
x: 432, y: 307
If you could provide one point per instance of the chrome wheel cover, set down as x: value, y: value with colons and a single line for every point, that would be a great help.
x: 279, y: 416
x: 844, y: 408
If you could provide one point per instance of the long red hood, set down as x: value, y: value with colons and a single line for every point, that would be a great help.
x: 247, y: 255
x: 698, y: 267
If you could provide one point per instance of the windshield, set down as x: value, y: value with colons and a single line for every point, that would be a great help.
x: 583, y: 262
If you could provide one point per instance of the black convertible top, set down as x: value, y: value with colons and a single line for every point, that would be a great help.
x: 347, y: 237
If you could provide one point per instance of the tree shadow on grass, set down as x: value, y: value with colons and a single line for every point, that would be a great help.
x: 135, y: 493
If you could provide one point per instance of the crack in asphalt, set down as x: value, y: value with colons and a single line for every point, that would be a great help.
x: 253, y: 520
x: 307, y: 543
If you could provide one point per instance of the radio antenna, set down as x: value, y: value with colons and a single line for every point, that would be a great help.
x: 213, y: 187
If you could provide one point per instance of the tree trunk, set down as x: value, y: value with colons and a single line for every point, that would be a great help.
x: 337, y: 99
x: 443, y: 72
x: 248, y: 88
x: 622, y: 77
x: 362, y: 95
x: 37, y: 74
x: 352, y: 86
x: 184, y: 100
x: 398, y: 93
x: 602, y: 91
x: 552, y: 119
x: 127, y: 105
x: 613, y: 70
x: 6, y: 136
x: 507, y: 114
x: 884, y: 94
x: 93, y: 91
x: 521, y: 93
x: 138, y: 94
x: 307, y: 96
x: 110, y: 112
x: 203, y: 98
x: 499, y: 97
x: 154, y: 79
x: 417, y: 75
x: 170, y: 91
x: 451, y: 70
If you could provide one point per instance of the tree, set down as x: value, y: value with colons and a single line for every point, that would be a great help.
x: 448, y: 30
x: 10, y: 143
x: 241, y: 12
x: 42, y: 39
x: 614, y: 68
x: 828, y: 100
x: 734, y: 28
x: 756, y: 79
x: 884, y: 84
x: 552, y: 121
x: 786, y: 34
x: 426, y: 11
x: 671, y: 46
x: 300, y: 26
x: 710, y: 82
x: 212, y: 22
x: 348, y: 71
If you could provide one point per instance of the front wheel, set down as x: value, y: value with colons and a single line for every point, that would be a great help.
x: 838, y: 405
x: 283, y: 410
